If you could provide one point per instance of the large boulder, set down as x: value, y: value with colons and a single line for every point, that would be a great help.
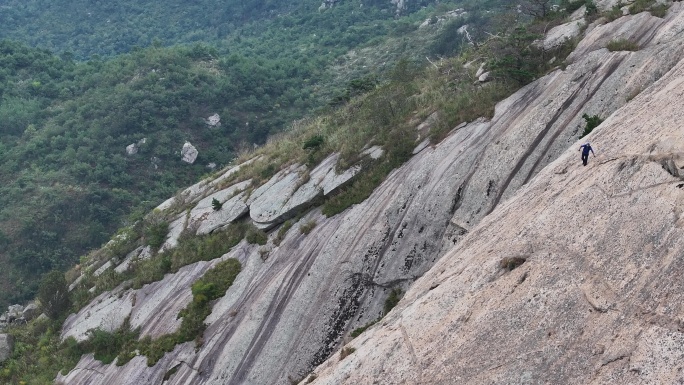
x: 189, y: 153
x: 14, y: 312
x: 132, y: 149
x: 6, y: 347
x: 31, y: 311
x: 213, y: 121
x: 561, y: 34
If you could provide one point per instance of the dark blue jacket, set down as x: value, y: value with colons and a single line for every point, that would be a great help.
x: 586, y: 148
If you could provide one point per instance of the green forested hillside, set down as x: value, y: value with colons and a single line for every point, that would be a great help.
x: 66, y: 181
x: 85, y: 28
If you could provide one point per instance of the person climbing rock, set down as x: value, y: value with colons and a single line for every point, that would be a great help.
x: 585, y: 148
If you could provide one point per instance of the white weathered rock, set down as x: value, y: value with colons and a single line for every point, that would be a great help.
x: 106, y: 266
x: 139, y: 254
x: 561, y: 34
x: 294, y: 188
x: 424, y: 127
x: 632, y: 28
x: 421, y: 146
x: 442, y: 18
x: 107, y: 312
x: 599, y: 297
x: 484, y: 77
x: 153, y: 308
x: 6, y: 347
x: 325, y: 176
x: 14, y: 311
x: 189, y: 153
x: 607, y: 5
x: 199, y: 189
x: 132, y: 149
x: 480, y: 70
x: 213, y: 121
x: 374, y: 152
x: 176, y: 228
x: 206, y: 219
x: 78, y: 280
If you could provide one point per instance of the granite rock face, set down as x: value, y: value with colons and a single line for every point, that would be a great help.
x: 206, y: 219
x: 600, y: 246
x: 598, y: 298
x: 294, y: 188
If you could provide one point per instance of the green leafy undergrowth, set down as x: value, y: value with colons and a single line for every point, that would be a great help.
x: 591, y: 123
x: 39, y: 354
x: 124, y: 343
x: 190, y: 249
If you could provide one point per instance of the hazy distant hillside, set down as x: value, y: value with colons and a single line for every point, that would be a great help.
x: 107, y: 28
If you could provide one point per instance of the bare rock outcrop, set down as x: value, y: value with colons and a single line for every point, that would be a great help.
x: 189, y: 153
x: 284, y: 195
x: 153, y: 308
x: 213, y: 121
x: 6, y: 347
x: 233, y: 206
x: 598, y: 297
x: 291, y: 311
x: 197, y: 191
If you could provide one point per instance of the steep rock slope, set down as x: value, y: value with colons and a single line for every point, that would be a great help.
x: 289, y: 312
x: 598, y: 299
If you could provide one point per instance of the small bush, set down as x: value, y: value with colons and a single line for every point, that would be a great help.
x: 255, y: 236
x: 216, y: 205
x: 614, y: 14
x: 392, y: 300
x: 659, y: 10
x: 53, y: 294
x: 306, y: 228
x: 622, y: 45
x: 346, y: 351
x: 313, y: 142
x: 155, y: 234
x: 592, y: 122
x: 281, y: 232
x: 591, y: 7
x: 216, y: 281
x: 106, y: 346
x: 640, y: 6
x: 357, y: 332
x: 572, y: 6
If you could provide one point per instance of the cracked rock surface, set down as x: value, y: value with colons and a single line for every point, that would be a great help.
x: 599, y: 298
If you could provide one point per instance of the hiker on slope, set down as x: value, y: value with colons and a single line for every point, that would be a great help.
x: 585, y: 148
